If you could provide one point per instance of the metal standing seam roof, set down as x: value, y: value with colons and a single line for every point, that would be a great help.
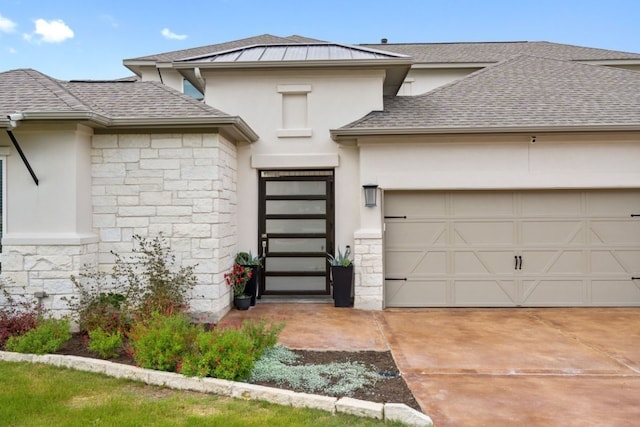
x: 476, y: 52
x: 295, y: 52
x: 220, y: 47
x: 522, y: 92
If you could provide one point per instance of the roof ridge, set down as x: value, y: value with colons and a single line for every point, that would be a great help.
x: 57, y: 89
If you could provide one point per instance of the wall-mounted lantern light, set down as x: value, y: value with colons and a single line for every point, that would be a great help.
x: 370, y: 194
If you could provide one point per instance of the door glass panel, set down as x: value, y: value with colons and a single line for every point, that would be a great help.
x: 296, y: 188
x: 296, y: 226
x: 297, y: 245
x: 296, y: 207
x: 295, y: 283
x: 296, y: 264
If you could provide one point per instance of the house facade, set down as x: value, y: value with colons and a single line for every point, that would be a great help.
x: 505, y: 173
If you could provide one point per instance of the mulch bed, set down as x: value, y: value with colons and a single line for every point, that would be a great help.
x: 390, y: 389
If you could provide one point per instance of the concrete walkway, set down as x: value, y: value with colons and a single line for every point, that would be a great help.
x: 489, y: 367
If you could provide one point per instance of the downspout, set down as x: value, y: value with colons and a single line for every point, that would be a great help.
x: 13, y: 119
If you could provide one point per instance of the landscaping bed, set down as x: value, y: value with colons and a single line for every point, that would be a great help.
x: 392, y: 388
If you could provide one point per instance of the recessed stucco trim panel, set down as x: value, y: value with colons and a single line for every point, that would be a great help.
x: 269, y: 161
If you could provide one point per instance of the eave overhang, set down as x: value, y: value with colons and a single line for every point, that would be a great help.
x: 231, y: 127
x: 350, y: 136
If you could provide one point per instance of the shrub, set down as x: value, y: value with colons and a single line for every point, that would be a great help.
x: 334, y: 379
x: 137, y: 287
x: 106, y: 344
x: 17, y: 314
x: 48, y: 337
x: 263, y: 337
x: 227, y: 354
x: 230, y: 353
x: 162, y: 341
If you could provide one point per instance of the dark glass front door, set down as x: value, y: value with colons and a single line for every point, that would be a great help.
x: 296, y: 231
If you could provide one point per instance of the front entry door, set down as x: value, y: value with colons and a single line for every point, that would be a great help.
x: 296, y: 231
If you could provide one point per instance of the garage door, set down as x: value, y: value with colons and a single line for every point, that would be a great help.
x: 500, y: 248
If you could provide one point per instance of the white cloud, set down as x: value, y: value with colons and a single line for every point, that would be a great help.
x: 7, y: 25
x: 168, y: 34
x: 54, y: 31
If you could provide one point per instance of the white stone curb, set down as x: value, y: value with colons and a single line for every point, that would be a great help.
x: 362, y: 408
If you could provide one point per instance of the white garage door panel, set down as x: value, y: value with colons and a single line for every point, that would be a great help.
x: 403, y: 292
x: 482, y: 293
x: 578, y: 248
x: 615, y: 293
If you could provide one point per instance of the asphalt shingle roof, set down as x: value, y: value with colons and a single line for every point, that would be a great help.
x: 442, y: 53
x: 27, y: 90
x: 520, y: 92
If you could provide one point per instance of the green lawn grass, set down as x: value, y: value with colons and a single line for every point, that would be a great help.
x: 41, y: 395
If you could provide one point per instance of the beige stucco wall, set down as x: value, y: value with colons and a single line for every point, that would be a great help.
x: 468, y: 162
x: 422, y: 80
x: 334, y: 98
x: 48, y: 230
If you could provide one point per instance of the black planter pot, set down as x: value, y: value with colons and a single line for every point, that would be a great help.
x: 242, y: 302
x: 251, y: 288
x: 342, y: 280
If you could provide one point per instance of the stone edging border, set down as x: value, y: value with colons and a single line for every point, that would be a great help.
x: 346, y: 405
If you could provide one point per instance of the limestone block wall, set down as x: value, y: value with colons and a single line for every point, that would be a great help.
x: 369, y: 272
x: 31, y: 269
x: 180, y: 185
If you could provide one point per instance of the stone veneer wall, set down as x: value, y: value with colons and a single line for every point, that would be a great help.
x: 181, y: 185
x: 47, y: 268
x: 369, y: 272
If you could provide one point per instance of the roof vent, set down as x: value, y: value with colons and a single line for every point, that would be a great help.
x: 384, y: 41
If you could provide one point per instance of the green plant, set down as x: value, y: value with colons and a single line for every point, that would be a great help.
x: 161, y: 342
x: 246, y: 258
x: 227, y: 354
x: 335, y: 379
x: 106, y: 344
x: 340, y: 259
x: 263, y: 337
x: 137, y: 286
x: 237, y: 279
x: 48, y: 337
x: 18, y: 313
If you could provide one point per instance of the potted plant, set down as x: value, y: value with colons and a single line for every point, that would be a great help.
x: 341, y: 277
x: 245, y: 259
x: 237, y: 279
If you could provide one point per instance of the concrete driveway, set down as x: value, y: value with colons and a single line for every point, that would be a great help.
x: 490, y: 367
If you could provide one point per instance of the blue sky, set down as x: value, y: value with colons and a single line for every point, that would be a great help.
x: 70, y: 39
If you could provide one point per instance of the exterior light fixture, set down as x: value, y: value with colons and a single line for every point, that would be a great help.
x: 370, y: 194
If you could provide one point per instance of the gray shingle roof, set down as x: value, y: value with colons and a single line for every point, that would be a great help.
x: 522, y: 92
x: 211, y: 49
x: 499, y: 51
x: 116, y: 103
x: 27, y: 90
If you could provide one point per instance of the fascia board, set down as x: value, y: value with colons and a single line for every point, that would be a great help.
x: 349, y: 134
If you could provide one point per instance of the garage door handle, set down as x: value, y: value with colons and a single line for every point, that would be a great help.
x: 634, y: 215
x: 404, y: 279
x: 635, y: 278
x: 518, y: 259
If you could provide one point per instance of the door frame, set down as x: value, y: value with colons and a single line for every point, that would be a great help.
x: 326, y: 175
